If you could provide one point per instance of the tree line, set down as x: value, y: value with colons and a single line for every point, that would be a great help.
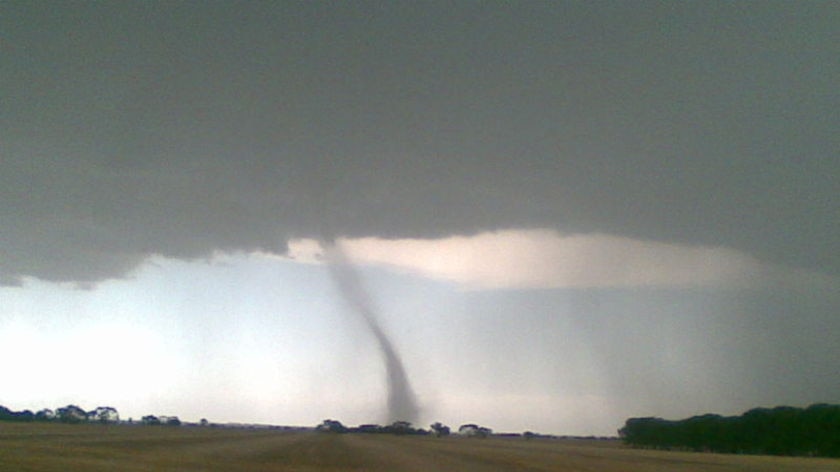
x: 66, y: 414
x: 784, y: 430
x: 76, y: 414
x: 405, y: 428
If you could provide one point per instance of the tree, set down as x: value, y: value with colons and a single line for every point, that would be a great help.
x: 71, y: 414
x: 368, y: 429
x: 475, y: 431
x: 104, y: 414
x: 401, y: 427
x: 783, y: 430
x: 25, y: 415
x: 9, y: 415
x: 45, y: 415
x: 150, y: 420
x: 439, y: 429
x: 331, y: 426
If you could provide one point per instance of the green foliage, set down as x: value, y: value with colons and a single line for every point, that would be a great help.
x: 784, y: 430
x: 440, y: 429
x: 150, y: 420
x: 71, y: 414
x: 9, y: 415
x: 331, y: 426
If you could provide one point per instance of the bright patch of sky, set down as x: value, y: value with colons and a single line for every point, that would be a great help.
x: 250, y: 338
x: 528, y: 259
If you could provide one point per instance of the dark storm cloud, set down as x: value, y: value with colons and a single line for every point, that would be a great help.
x: 180, y: 129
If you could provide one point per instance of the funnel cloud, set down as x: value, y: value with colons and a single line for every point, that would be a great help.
x: 402, y: 405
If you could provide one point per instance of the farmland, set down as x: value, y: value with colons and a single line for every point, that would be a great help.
x: 90, y: 447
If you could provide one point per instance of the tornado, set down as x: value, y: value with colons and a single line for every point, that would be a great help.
x: 402, y: 405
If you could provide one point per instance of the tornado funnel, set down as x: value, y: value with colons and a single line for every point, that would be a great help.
x: 402, y: 405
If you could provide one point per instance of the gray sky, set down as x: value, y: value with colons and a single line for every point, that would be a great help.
x: 528, y: 151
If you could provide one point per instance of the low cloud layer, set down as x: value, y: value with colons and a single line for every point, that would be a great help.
x: 131, y: 130
x: 546, y: 259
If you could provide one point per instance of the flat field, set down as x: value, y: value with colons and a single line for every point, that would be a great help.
x: 59, y: 447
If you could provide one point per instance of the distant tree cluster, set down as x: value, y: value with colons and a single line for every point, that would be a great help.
x: 75, y: 414
x: 66, y: 414
x: 784, y: 430
x: 474, y: 430
x: 398, y: 428
x: 9, y: 415
x: 405, y: 428
x: 439, y: 429
x: 331, y: 426
x: 152, y: 420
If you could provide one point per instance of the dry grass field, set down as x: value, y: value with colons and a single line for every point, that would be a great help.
x: 58, y: 447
